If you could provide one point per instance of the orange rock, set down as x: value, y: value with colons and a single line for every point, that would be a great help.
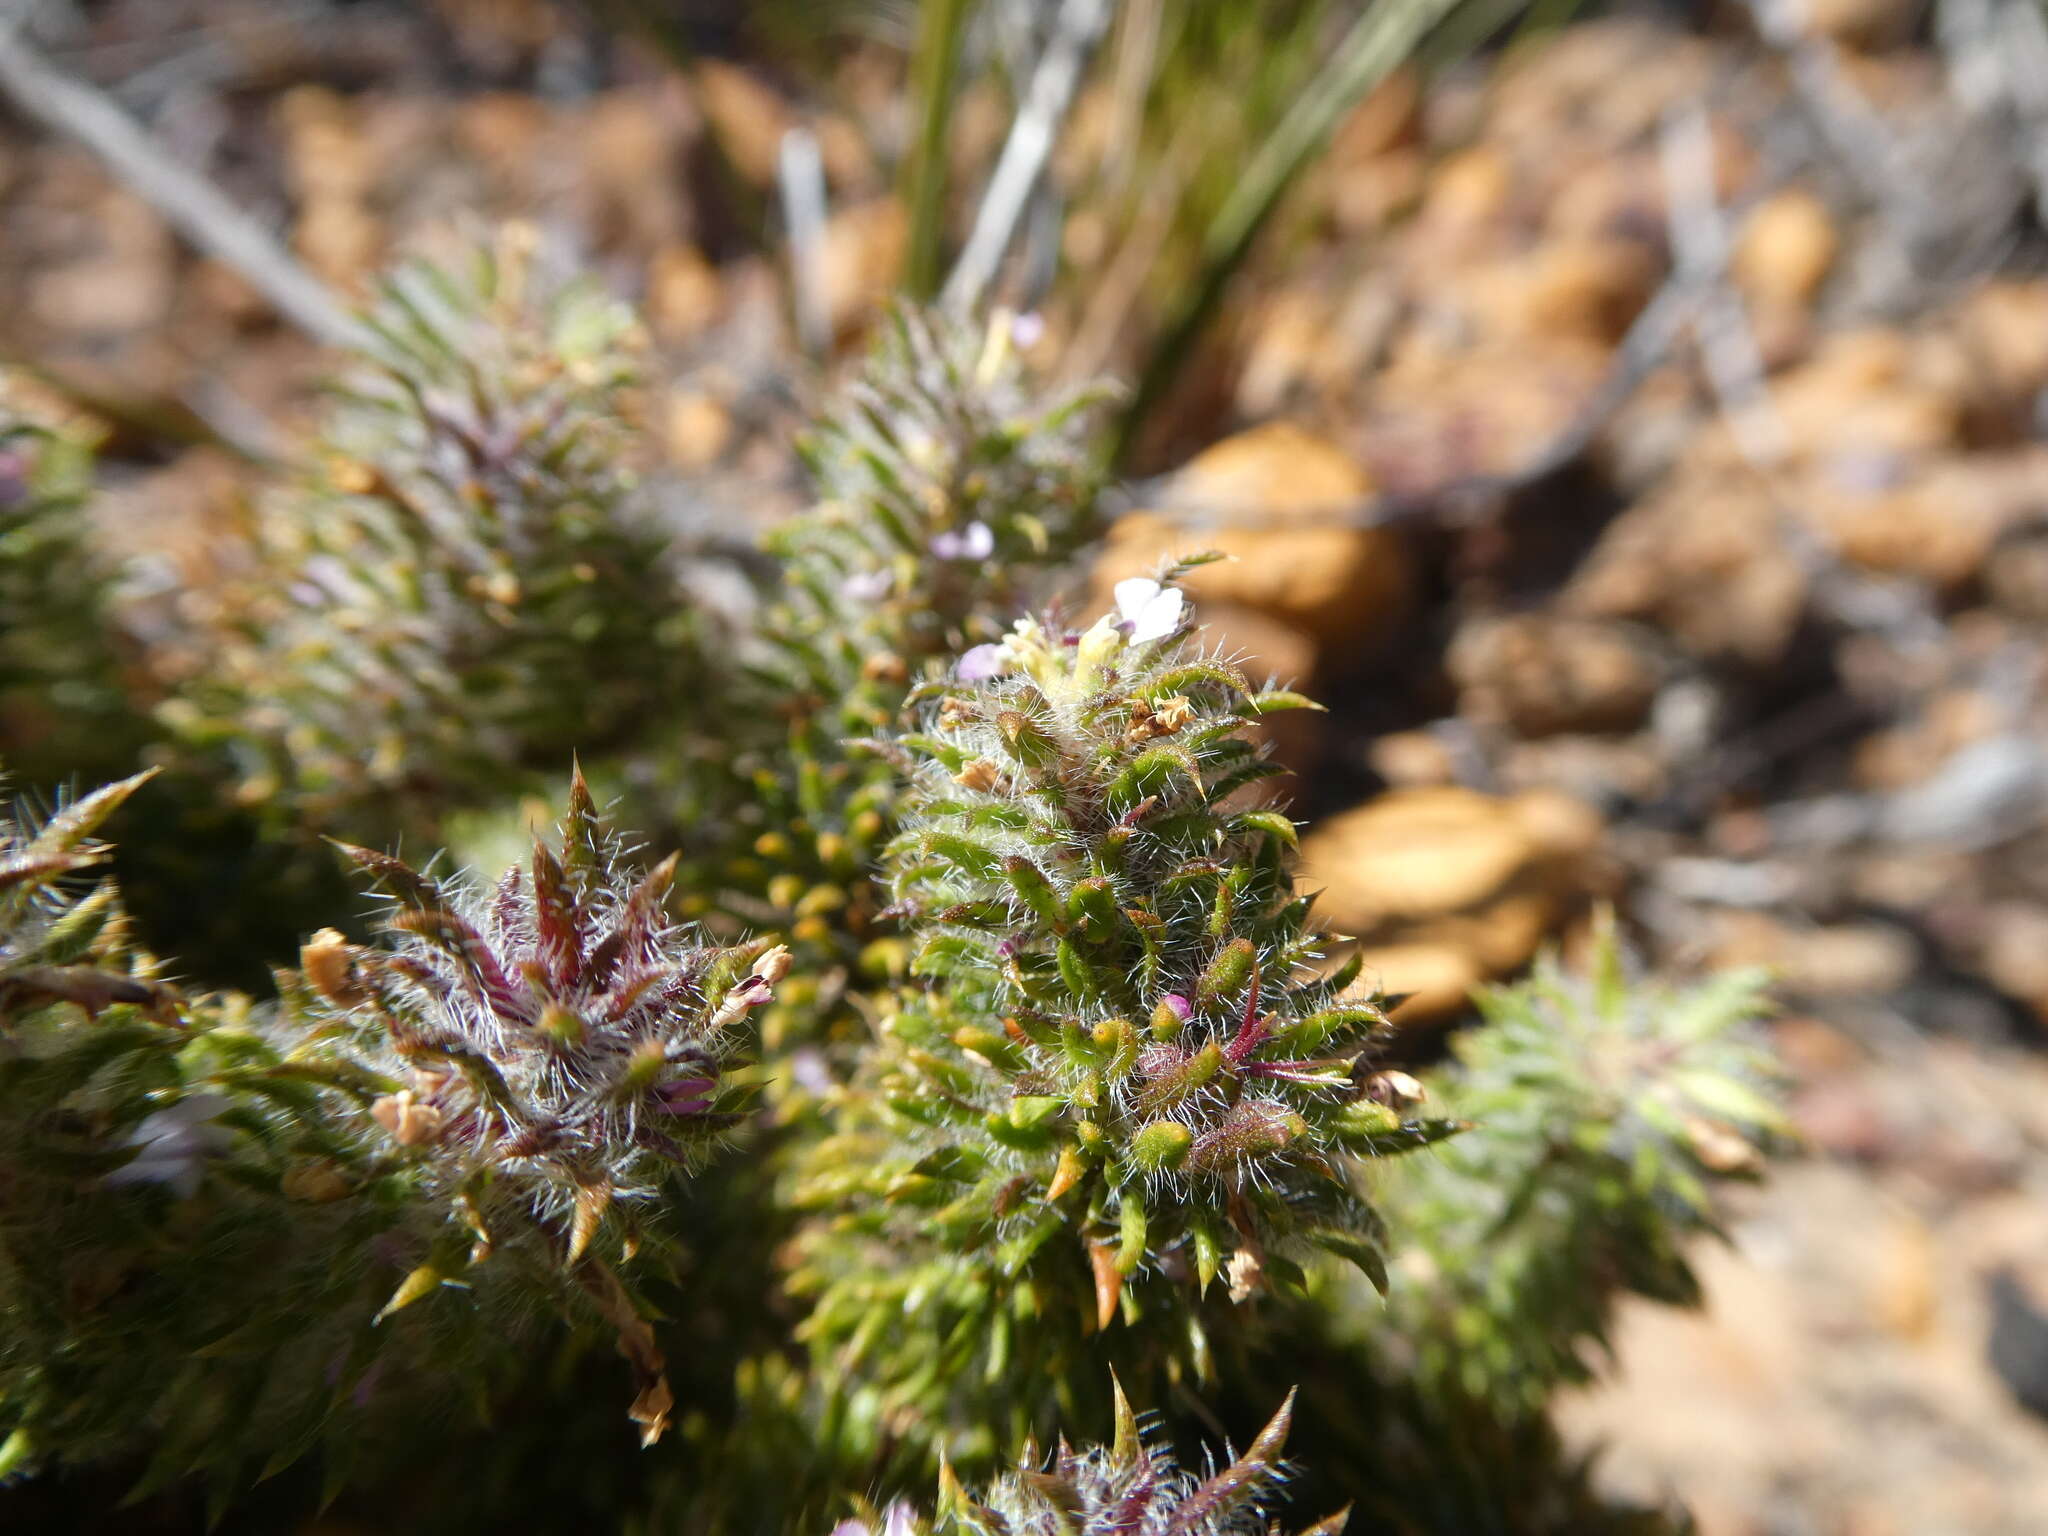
x: 2005, y: 325
x: 1449, y: 887
x: 1436, y: 979
x: 1786, y: 248
x: 1581, y: 289
x: 699, y: 428
x: 340, y: 239
x: 1286, y: 335
x: 502, y: 129
x: 1500, y: 936
x: 1370, y: 196
x: 1859, y: 23
x: 748, y: 118
x: 1390, y: 117
x: 1440, y: 410
x: 1469, y: 192
x: 127, y: 284
x: 1940, y: 525
x: 1702, y: 558
x: 2014, y: 952
x: 629, y: 143
x: 1611, y: 198
x: 327, y: 155
x: 1413, y: 853
x: 1861, y: 395
x: 684, y: 294
x: 1304, y: 339
x: 1557, y: 824
x: 1409, y: 758
x: 848, y: 157
x: 1279, y: 489
x: 862, y: 260
x: 1543, y: 673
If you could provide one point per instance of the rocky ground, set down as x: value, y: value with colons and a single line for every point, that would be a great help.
x: 1642, y: 442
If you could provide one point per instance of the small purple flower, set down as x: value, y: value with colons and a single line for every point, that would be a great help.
x: 1182, y: 1008
x: 897, y: 1520
x: 14, y: 472
x: 1007, y: 950
x: 685, y: 1095
x: 980, y: 664
x: 808, y: 1070
x: 866, y: 586
x: 1027, y: 329
x: 977, y: 541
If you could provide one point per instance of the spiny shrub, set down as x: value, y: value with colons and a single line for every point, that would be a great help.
x: 949, y: 490
x: 1606, y: 1105
x: 232, y: 1229
x: 58, y: 943
x: 1125, y: 1075
x: 561, y: 1036
x: 1095, y: 1089
x: 1131, y: 1485
x: 463, y: 585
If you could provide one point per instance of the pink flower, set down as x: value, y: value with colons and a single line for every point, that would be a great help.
x: 977, y: 541
x: 979, y: 664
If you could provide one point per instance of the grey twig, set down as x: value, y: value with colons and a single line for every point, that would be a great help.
x: 1735, y: 372
x: 191, y: 203
x: 801, y: 171
x: 1054, y: 82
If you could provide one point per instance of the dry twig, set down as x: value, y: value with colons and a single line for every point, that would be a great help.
x: 191, y: 203
x: 1076, y: 31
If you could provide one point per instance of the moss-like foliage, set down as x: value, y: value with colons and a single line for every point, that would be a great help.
x: 231, y: 1231
x: 1061, y: 1073
x: 64, y: 702
x: 950, y: 492
x: 1606, y: 1105
x: 1128, y: 1078
x: 462, y: 585
x: 1133, y: 1486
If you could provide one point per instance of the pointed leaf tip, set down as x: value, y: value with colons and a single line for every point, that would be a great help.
x: 1127, y: 1446
x: 79, y: 820
x: 1273, y: 1438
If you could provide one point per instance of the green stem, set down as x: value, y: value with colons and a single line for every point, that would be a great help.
x: 933, y: 67
x: 1376, y: 45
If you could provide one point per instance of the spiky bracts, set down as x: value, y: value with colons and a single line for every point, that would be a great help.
x: 60, y: 943
x: 559, y: 1035
x: 186, y: 1215
x: 1130, y: 1487
x: 950, y: 490
x: 1127, y: 1076
x: 463, y: 584
x: 1605, y: 1105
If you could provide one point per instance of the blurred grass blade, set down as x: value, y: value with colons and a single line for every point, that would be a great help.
x: 933, y: 68
x: 1377, y: 44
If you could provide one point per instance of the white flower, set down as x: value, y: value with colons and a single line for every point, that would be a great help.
x: 977, y: 541
x: 1153, y: 612
x: 174, y: 1143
